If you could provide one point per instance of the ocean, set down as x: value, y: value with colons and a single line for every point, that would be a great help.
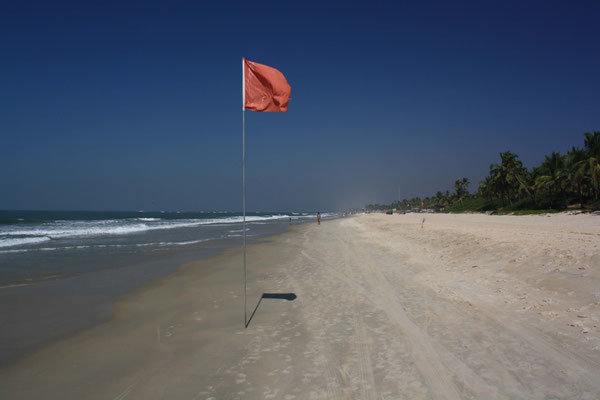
x: 39, y: 245
x: 61, y: 271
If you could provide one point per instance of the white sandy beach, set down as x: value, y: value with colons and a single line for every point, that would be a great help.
x: 465, y: 307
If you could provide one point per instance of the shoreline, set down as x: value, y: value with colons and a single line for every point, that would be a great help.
x: 41, y: 312
x: 469, y: 306
x: 142, y: 319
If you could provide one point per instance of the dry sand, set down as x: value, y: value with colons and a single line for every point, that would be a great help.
x: 467, y: 307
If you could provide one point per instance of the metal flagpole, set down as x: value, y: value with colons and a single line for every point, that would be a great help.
x: 244, y: 180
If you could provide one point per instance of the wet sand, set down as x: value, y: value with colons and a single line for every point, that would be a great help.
x: 79, y: 290
x: 469, y: 306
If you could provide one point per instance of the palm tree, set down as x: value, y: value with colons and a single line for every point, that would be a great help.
x: 485, y: 188
x: 514, y: 174
x: 576, y: 163
x: 592, y: 146
x: 460, y: 189
x: 497, y: 183
x: 447, y: 198
x: 465, y: 184
x: 551, y: 175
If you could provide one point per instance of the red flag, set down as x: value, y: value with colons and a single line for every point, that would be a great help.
x: 266, y: 89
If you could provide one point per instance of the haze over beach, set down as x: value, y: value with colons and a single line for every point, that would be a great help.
x: 387, y: 201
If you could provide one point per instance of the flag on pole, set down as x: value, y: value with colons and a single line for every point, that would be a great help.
x: 263, y: 89
x: 266, y: 89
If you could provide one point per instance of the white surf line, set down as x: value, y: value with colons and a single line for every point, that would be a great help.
x: 125, y: 392
x: 15, y: 285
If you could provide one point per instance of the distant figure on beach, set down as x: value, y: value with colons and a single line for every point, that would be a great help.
x: 290, y: 220
x: 319, y: 218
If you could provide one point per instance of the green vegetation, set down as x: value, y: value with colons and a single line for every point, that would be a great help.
x: 562, y: 181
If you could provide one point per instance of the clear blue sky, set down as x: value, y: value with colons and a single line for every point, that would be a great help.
x: 126, y: 107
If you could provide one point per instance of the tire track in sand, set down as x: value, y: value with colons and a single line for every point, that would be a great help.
x: 427, y: 361
x: 434, y: 372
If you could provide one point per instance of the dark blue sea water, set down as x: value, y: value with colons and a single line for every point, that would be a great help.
x: 37, y: 245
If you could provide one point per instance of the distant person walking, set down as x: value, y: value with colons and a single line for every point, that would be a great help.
x: 319, y: 218
x: 290, y: 220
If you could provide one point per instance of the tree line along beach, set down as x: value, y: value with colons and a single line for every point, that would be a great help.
x: 560, y: 182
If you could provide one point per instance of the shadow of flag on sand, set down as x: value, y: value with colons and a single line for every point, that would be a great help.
x: 281, y: 296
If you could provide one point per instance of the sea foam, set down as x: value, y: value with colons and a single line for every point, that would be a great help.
x: 17, y: 235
